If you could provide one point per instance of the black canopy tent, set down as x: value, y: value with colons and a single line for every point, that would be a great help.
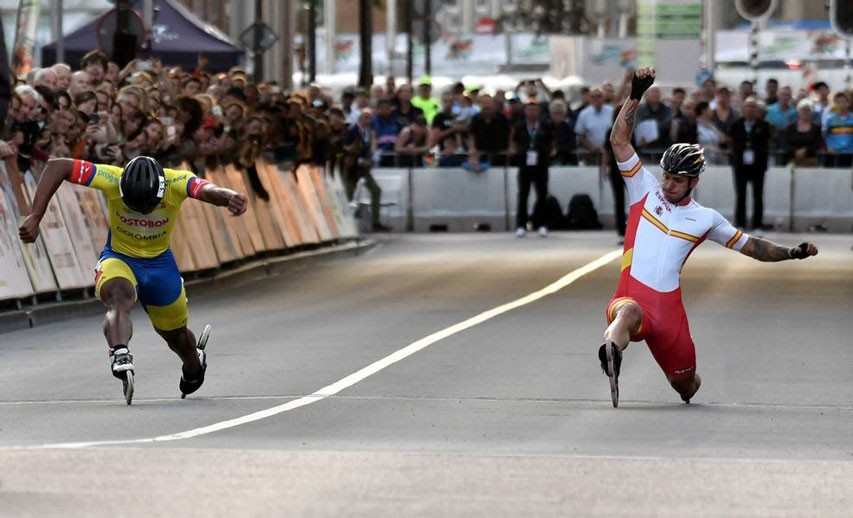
x: 178, y: 38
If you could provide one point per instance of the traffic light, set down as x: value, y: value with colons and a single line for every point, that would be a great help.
x: 841, y: 15
x: 757, y: 10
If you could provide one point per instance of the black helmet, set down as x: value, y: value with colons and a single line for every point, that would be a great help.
x: 143, y: 184
x: 684, y: 159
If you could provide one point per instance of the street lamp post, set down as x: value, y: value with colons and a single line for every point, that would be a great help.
x: 365, y: 74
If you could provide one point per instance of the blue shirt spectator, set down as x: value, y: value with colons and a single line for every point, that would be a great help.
x: 838, y: 130
x: 782, y: 113
x: 385, y: 127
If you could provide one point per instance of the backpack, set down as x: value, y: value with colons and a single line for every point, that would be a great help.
x: 582, y: 214
x: 550, y: 214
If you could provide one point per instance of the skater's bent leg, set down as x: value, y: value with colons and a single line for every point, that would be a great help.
x: 170, y: 322
x: 182, y: 341
x: 118, y: 295
x: 627, y: 321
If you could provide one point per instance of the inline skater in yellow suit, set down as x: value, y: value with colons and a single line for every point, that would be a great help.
x: 143, y: 204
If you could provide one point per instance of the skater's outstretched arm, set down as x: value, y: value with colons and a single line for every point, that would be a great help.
x: 222, y: 197
x: 55, y: 172
x: 623, y: 126
x: 768, y: 251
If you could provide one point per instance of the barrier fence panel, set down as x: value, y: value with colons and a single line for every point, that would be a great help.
x: 35, y: 254
x: 94, y: 214
x: 180, y: 244
x: 265, y: 212
x: 75, y: 227
x: 326, y: 203
x: 239, y: 225
x: 395, y: 204
x: 299, y: 211
x: 69, y: 272
x: 563, y: 184
x: 268, y: 173
x: 14, y: 280
x: 201, y: 242
x: 344, y: 210
x: 312, y: 202
x: 75, y: 223
x: 823, y: 197
x: 250, y: 218
x: 15, y: 182
x: 454, y: 198
x: 234, y: 227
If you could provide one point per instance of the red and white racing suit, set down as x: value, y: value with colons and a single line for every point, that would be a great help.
x: 658, y: 240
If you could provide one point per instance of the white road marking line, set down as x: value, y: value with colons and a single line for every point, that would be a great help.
x: 593, y: 403
x: 373, y: 368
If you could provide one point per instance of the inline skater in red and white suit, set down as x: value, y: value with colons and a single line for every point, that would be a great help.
x: 664, y: 226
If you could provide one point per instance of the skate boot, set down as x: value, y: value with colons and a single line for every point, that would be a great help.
x: 190, y: 383
x: 121, y: 365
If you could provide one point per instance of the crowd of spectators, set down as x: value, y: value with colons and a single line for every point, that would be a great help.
x: 472, y: 128
x: 105, y: 113
x: 108, y: 114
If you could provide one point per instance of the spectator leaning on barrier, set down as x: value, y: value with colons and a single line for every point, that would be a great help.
x: 750, y: 150
x: 782, y: 113
x: 386, y: 128
x: 424, y: 100
x: 802, y: 140
x: 532, y: 146
x: 406, y: 112
x: 359, y: 146
x: 724, y: 114
x: 95, y: 64
x: 565, y: 142
x: 709, y: 136
x: 413, y: 143
x: 838, y: 133
x: 676, y: 101
x: 592, y: 125
x: 771, y: 91
x: 447, y: 133
x: 684, y: 128
x: 821, y: 103
x: 63, y: 75
x: 745, y: 91
x: 709, y: 88
x: 654, y: 120
x: 362, y: 102
x: 489, y: 134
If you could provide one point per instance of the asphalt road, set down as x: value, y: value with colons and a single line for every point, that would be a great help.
x: 507, y: 415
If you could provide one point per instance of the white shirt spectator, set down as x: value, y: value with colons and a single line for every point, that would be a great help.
x: 593, y: 124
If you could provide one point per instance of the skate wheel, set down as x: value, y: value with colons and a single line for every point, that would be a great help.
x: 183, y: 396
x: 128, y: 386
x: 204, y: 336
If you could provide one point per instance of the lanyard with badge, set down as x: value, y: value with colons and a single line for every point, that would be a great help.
x: 748, y: 153
x: 532, y: 155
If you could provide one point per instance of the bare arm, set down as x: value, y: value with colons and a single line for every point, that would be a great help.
x: 768, y: 251
x: 55, y: 172
x: 623, y: 128
x: 222, y: 197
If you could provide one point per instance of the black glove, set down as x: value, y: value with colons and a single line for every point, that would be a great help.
x: 800, y: 251
x: 640, y: 85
